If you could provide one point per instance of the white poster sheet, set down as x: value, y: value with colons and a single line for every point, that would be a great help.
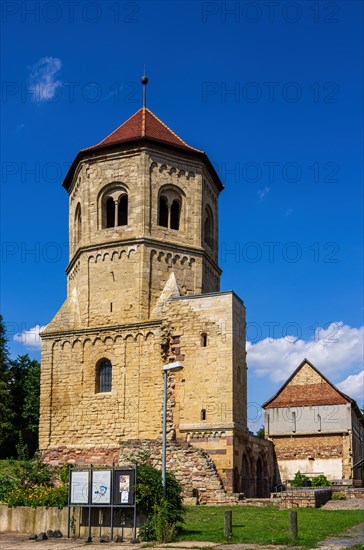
x: 124, y: 488
x: 79, y: 487
x: 101, y: 487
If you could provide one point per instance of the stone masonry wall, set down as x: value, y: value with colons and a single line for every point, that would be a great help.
x: 193, y: 468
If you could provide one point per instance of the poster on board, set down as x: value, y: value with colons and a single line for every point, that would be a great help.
x: 124, y: 488
x: 79, y: 487
x: 101, y: 487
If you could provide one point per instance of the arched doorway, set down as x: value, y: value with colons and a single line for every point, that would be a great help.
x: 262, y: 478
x: 246, y: 476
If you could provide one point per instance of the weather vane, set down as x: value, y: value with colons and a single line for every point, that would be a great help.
x: 144, y: 81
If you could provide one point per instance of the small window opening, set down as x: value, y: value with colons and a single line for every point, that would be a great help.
x: 208, y: 229
x: 103, y: 376
x: 163, y: 212
x: 175, y: 211
x: 78, y: 228
x: 293, y: 421
x: 203, y: 414
x: 111, y: 306
x: 319, y: 422
x: 110, y: 212
x: 123, y: 210
x: 204, y: 340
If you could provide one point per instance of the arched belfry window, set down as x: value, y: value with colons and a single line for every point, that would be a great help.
x: 103, y: 376
x: 170, y: 207
x: 209, y: 228
x: 114, y: 207
x: 78, y: 224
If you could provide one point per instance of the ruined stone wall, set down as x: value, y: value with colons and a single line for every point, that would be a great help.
x: 193, y: 468
x: 312, y: 455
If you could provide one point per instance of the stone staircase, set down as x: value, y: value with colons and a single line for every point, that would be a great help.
x: 192, y: 467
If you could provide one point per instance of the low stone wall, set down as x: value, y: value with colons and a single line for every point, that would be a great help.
x: 310, y: 498
x: 26, y: 521
x: 349, y: 492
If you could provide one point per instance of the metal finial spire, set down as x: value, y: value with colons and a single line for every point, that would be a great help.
x: 144, y: 81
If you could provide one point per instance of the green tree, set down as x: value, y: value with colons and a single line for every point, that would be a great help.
x: 24, y: 391
x: 260, y: 432
x: 6, y: 410
x: 19, y: 402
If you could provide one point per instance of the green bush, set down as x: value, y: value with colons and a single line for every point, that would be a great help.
x: 162, y: 514
x: 339, y: 496
x: 54, y: 497
x: 34, y: 472
x: 320, y: 481
x: 7, y: 484
x: 300, y: 480
x: 35, y: 483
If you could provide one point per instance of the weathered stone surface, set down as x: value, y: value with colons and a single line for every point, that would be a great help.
x: 140, y: 295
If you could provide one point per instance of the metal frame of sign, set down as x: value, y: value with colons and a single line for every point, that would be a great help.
x: 122, y: 493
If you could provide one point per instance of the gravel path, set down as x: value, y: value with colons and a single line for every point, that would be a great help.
x: 350, y: 504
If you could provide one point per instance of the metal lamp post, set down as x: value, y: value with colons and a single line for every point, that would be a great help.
x: 170, y: 367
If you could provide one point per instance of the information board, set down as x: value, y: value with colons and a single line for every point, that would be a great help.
x: 79, y: 487
x: 101, y: 487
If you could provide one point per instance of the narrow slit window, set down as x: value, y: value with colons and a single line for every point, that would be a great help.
x: 204, y: 340
x: 203, y: 414
x: 294, y: 422
x: 78, y: 224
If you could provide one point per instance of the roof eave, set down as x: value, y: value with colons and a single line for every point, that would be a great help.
x: 85, y: 153
x: 347, y: 397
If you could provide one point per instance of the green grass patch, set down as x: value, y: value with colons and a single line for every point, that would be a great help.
x: 266, y: 525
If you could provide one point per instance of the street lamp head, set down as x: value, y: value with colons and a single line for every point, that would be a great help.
x: 173, y: 367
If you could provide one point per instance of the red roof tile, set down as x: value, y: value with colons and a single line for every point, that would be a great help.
x: 143, y: 124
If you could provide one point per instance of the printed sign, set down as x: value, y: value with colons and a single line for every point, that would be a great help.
x: 124, y: 488
x: 79, y: 487
x: 101, y: 487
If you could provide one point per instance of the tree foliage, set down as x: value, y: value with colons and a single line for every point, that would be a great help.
x: 19, y: 402
x: 162, y: 513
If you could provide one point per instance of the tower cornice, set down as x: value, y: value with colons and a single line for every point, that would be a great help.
x: 183, y: 249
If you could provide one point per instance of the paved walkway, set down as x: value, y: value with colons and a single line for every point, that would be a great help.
x: 21, y: 542
x: 11, y: 541
x: 354, y: 535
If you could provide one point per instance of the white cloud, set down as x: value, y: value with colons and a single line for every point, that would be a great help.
x: 353, y: 385
x: 337, y: 349
x: 30, y: 338
x: 262, y: 192
x: 42, y: 79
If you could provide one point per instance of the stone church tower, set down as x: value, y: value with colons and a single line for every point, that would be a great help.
x: 144, y: 289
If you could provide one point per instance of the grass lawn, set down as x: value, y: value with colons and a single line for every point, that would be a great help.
x: 266, y: 525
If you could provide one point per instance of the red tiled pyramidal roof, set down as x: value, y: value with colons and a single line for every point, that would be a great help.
x: 143, y: 124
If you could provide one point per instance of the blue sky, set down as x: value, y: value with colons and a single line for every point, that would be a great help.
x: 270, y: 90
